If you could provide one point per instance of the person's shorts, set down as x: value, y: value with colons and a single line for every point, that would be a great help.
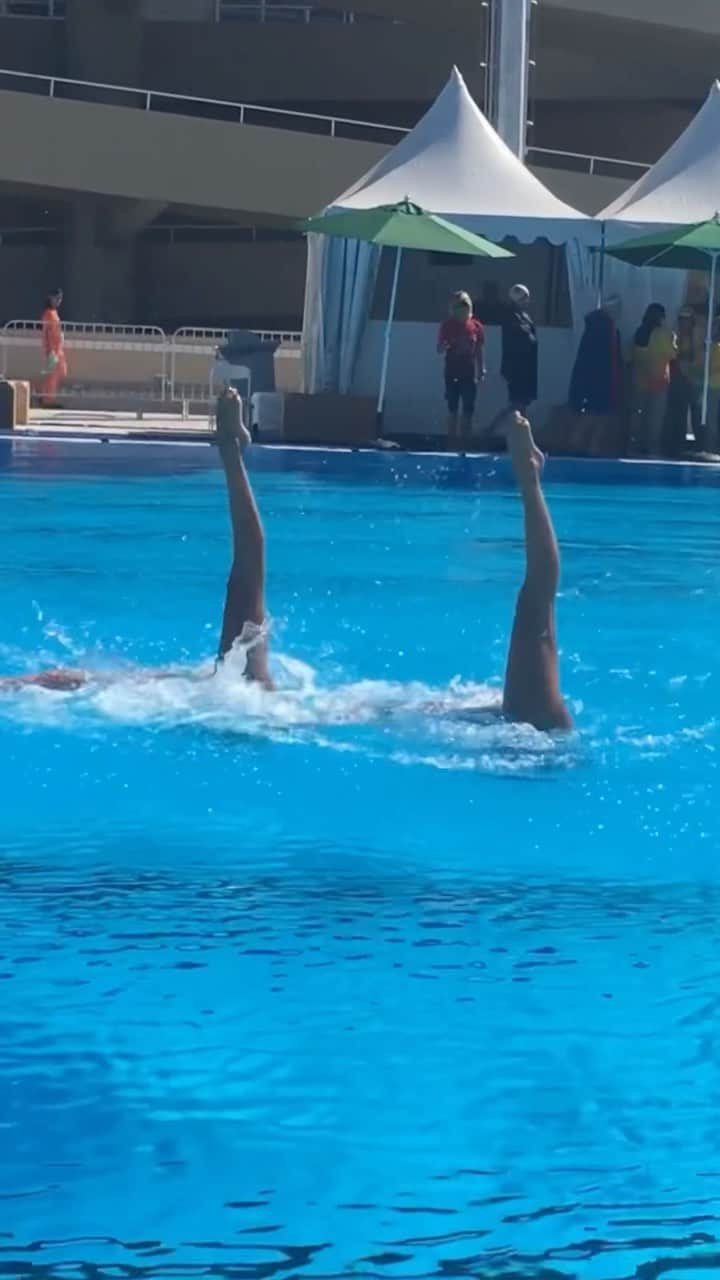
x: 461, y: 391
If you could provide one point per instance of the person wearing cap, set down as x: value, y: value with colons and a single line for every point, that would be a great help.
x: 519, y: 365
x: 55, y: 364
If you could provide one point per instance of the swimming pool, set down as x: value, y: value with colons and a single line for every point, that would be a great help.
x: 349, y: 980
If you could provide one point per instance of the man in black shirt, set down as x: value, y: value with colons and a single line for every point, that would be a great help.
x: 519, y: 365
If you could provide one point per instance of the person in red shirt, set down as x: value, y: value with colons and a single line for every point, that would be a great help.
x: 55, y: 371
x: 462, y: 341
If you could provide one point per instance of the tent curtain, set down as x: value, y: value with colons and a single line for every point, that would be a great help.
x: 339, y: 287
x: 631, y: 288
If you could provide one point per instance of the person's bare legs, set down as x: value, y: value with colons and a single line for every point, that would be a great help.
x: 532, y: 686
x: 245, y: 596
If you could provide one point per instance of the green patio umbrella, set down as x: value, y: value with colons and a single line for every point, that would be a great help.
x: 685, y: 248
x: 402, y: 226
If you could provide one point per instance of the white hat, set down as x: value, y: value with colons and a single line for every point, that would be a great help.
x: 520, y: 293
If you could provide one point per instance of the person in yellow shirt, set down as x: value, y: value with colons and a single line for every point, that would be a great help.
x: 710, y: 430
x: 654, y: 348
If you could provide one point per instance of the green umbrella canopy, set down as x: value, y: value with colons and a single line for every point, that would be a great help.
x: 686, y: 248
x: 404, y: 226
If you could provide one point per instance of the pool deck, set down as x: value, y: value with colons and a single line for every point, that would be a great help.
x: 93, y: 423
x: 162, y: 442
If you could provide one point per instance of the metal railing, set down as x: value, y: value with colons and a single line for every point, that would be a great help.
x: 163, y: 233
x: 32, y: 9
x: 217, y: 11
x: 282, y: 11
x: 199, y: 339
x: 191, y: 340
x: 215, y: 232
x: 185, y: 104
x: 126, y: 339
x: 596, y: 166
x: 279, y: 118
x: 92, y: 331
x: 50, y: 233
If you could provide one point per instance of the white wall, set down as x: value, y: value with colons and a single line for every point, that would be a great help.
x: 416, y: 389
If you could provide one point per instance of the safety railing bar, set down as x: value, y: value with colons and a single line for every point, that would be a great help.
x: 590, y: 159
x: 151, y: 94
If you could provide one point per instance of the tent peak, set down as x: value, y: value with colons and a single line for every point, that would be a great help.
x: 682, y: 186
x: 454, y: 164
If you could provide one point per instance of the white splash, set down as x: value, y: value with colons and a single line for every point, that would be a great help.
x: 456, y: 727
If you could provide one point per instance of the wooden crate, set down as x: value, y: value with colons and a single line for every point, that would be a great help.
x: 330, y: 419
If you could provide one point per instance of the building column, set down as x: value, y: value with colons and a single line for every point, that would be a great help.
x: 103, y: 41
x: 509, y: 63
x: 101, y: 258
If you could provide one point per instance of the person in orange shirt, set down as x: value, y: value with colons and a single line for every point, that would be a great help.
x: 55, y: 368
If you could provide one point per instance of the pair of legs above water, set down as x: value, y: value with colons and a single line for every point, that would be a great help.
x: 244, y: 613
x: 532, y: 689
x: 532, y: 681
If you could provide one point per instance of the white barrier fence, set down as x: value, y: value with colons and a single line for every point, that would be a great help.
x: 157, y: 366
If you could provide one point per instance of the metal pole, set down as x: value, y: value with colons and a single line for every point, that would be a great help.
x: 509, y: 66
x: 388, y: 332
x: 172, y: 366
x: 601, y: 266
x: 708, y: 340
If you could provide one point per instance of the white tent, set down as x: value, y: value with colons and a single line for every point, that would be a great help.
x: 452, y: 163
x: 684, y: 185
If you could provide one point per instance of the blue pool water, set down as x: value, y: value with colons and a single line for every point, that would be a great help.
x: 348, y: 980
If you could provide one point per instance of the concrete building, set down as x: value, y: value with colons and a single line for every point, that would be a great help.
x: 182, y: 214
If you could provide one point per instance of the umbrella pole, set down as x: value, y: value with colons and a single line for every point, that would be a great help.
x: 708, y: 340
x: 386, y: 343
x: 601, y: 267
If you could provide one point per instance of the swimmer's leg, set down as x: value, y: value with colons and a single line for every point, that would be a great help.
x: 532, y: 686
x: 61, y: 679
x: 245, y: 596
